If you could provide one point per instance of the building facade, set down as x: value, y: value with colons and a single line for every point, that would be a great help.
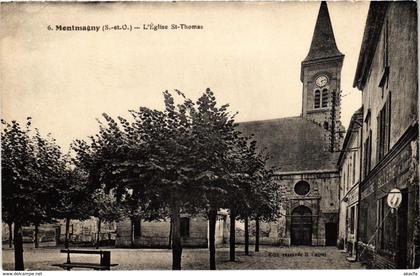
x: 387, y: 76
x: 157, y: 234
x: 81, y: 233
x: 349, y: 165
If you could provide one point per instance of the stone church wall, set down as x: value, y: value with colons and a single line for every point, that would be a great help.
x: 322, y: 200
x: 156, y: 234
x: 271, y: 233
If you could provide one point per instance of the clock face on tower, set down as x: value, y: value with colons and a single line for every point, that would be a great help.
x: 321, y: 81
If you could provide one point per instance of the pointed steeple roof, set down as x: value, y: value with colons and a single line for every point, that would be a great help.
x: 323, y: 41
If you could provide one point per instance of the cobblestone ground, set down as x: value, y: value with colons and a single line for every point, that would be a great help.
x: 269, y: 257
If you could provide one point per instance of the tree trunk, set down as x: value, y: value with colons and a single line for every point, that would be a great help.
x: 232, y: 235
x: 212, y: 237
x: 257, y: 234
x: 67, y: 237
x: 176, y: 238
x: 170, y: 234
x: 99, y: 233
x: 18, y: 240
x: 246, y: 236
x: 132, y: 232
x: 10, y: 235
x: 36, y: 235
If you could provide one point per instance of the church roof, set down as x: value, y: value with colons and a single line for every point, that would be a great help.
x: 323, y: 41
x: 294, y: 143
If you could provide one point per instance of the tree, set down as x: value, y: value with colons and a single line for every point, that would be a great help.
x: 180, y: 160
x: 31, y: 167
x: 215, y: 141
x: 131, y: 209
x: 16, y: 154
x: 74, y: 197
x: 266, y: 203
x: 248, y: 166
x: 50, y: 167
x: 259, y: 194
x: 106, y: 209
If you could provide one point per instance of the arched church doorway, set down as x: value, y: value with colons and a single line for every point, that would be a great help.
x: 301, y: 233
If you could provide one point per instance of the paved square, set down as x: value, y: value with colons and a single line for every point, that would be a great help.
x: 269, y: 257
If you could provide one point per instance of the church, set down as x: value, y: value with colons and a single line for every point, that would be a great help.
x: 304, y: 151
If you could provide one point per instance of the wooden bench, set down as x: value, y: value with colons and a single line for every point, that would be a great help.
x: 105, y: 260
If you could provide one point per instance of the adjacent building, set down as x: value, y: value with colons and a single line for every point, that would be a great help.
x: 349, y: 165
x: 387, y: 75
x: 157, y: 234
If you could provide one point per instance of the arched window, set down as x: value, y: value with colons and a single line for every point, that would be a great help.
x: 324, y: 98
x: 302, y: 188
x: 317, y: 99
x: 326, y: 125
x: 301, y: 211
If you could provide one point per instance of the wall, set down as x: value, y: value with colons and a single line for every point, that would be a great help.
x: 349, y: 184
x: 399, y: 172
x: 271, y: 233
x: 322, y: 199
x: 402, y: 84
x: 396, y: 169
x: 156, y: 233
x: 85, y: 231
x: 81, y: 232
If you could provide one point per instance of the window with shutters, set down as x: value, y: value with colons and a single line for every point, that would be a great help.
x: 367, y: 154
x: 383, y: 83
x: 349, y: 180
x: 387, y: 225
x: 352, y: 220
x: 384, y: 127
x: 317, y: 102
x: 386, y: 45
x: 324, y: 98
x: 364, y: 225
x: 344, y: 180
x: 354, y: 167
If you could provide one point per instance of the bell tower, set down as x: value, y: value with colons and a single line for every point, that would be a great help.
x: 321, y: 75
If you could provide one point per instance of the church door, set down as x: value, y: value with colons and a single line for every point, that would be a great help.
x: 330, y: 234
x: 301, y: 226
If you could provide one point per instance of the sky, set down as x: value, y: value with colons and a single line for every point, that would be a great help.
x: 249, y: 54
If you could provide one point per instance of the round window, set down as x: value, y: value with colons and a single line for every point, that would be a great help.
x: 302, y: 188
